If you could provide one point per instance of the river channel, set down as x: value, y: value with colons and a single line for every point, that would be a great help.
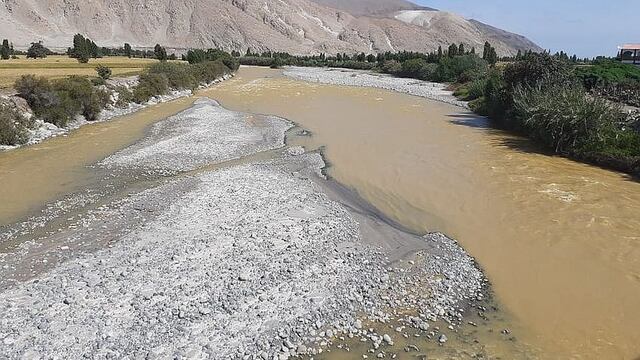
x: 559, y: 240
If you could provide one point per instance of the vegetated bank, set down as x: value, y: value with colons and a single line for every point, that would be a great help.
x: 42, y: 107
x: 583, y: 109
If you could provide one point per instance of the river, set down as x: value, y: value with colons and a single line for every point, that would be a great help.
x: 559, y: 240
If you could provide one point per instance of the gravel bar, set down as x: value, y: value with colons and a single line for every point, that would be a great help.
x: 425, y: 89
x: 248, y: 261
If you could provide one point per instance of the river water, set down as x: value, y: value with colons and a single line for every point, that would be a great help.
x: 559, y: 240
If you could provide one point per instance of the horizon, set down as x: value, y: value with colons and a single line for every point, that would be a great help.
x: 589, y: 30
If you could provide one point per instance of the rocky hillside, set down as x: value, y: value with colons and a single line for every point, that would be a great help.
x: 370, y: 7
x: 296, y: 26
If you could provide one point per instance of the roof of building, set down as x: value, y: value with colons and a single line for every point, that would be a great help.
x: 630, y: 47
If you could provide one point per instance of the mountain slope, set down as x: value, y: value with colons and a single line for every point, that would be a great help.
x: 295, y: 26
x: 370, y: 7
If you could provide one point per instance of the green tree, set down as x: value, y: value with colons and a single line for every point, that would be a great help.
x: 519, y: 55
x: 486, y: 51
x: 371, y: 58
x: 160, y: 52
x: 461, y: 50
x: 453, y: 50
x: 439, y: 52
x: 94, y: 49
x: 37, y: 50
x: 492, y: 57
x: 103, y: 71
x: 81, y: 49
x: 5, y: 50
x: 127, y: 50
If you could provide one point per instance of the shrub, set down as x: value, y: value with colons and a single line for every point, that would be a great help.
x: 179, y: 76
x: 460, y: 68
x: 418, y: 69
x: 36, y: 90
x: 475, y: 89
x: 37, y: 50
x: 607, y: 72
x: 104, y: 72
x: 277, y: 63
x: 209, y: 71
x: 498, y: 101
x: 255, y: 61
x: 391, y: 67
x: 59, y: 101
x: 150, y: 85
x: 125, y: 96
x: 536, y: 68
x: 13, y: 125
x: 566, y: 118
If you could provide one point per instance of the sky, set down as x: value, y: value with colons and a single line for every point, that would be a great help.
x: 586, y: 28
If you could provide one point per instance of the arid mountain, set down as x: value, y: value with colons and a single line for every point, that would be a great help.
x: 370, y: 7
x: 296, y: 26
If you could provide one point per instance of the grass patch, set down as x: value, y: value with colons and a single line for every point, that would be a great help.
x: 59, y: 67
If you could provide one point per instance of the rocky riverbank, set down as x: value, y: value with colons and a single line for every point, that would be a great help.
x: 217, y: 252
x: 429, y: 90
x: 41, y: 130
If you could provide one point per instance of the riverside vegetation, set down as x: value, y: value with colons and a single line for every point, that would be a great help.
x: 572, y: 107
x: 58, y: 101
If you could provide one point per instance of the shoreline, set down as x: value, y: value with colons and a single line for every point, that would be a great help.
x: 331, y: 225
x: 439, y: 92
x: 43, y: 130
x: 363, y: 78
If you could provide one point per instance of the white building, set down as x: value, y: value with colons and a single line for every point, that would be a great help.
x: 629, y: 53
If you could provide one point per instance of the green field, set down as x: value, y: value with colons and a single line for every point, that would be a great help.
x: 60, y: 66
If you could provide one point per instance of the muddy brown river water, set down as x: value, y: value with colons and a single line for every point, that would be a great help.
x: 559, y: 240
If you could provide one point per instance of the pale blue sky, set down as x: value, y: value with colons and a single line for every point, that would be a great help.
x: 586, y: 28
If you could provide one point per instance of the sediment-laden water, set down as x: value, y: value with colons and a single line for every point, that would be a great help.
x: 558, y: 239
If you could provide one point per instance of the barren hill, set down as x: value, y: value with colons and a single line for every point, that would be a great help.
x: 295, y: 26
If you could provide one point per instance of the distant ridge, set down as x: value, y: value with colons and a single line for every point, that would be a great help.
x: 371, y: 7
x: 294, y: 26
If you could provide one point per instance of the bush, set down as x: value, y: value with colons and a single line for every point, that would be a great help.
x: 536, y: 68
x: 150, y: 85
x: 198, y: 56
x: 391, y: 67
x: 277, y: 63
x: 476, y: 89
x: 460, y: 68
x: 607, y: 72
x: 59, y: 101
x: 418, y: 69
x: 124, y: 95
x: 13, y: 125
x: 36, y: 90
x: 566, y: 118
x: 255, y: 61
x: 498, y: 101
x: 37, y: 50
x: 87, y: 100
x: 209, y: 71
x: 179, y: 75
x: 104, y: 72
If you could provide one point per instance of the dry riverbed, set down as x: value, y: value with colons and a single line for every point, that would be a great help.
x: 211, y: 238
